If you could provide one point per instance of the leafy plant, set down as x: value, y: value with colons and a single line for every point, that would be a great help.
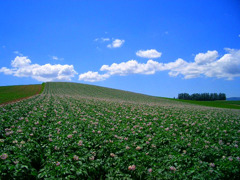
x: 78, y: 131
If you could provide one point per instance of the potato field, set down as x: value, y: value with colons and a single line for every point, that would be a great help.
x: 76, y: 131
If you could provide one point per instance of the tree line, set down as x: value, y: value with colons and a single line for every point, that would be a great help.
x: 202, y: 96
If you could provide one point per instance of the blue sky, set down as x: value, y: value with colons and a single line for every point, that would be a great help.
x: 155, y: 47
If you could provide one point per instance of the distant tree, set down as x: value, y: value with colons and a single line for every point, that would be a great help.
x: 185, y: 96
x: 222, y: 96
x: 215, y: 96
x: 202, y: 96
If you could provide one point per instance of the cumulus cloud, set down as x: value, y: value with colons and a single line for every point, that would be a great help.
x: 22, y: 67
x: 6, y: 71
x: 208, y: 57
x: 93, y: 76
x: 228, y: 66
x: 132, y: 67
x: 20, y: 62
x: 116, y: 43
x: 205, y: 64
x: 129, y: 67
x: 151, y: 53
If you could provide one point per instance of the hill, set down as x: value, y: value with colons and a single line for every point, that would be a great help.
x: 14, y: 93
x: 233, y: 99
x: 217, y: 104
x: 77, y: 131
x: 91, y: 91
x: 98, y: 92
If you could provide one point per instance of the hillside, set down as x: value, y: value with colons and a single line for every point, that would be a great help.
x: 233, y: 99
x: 77, y: 131
x: 217, y: 104
x: 14, y: 93
x: 91, y: 91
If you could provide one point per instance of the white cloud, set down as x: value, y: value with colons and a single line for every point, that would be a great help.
x: 102, y: 39
x: 206, y: 64
x: 54, y: 57
x: 116, y: 43
x: 132, y: 67
x: 22, y: 67
x: 18, y: 53
x: 151, y: 53
x: 125, y: 68
x: 92, y: 76
x: 227, y: 66
x: 6, y: 71
x: 20, y: 62
x: 203, y: 58
x: 57, y: 58
x: 105, y: 39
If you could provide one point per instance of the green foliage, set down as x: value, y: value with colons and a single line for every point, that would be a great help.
x: 202, y: 96
x: 13, y: 93
x: 218, y: 104
x: 43, y: 87
x: 75, y: 131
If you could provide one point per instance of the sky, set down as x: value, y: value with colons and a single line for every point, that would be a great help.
x: 154, y: 47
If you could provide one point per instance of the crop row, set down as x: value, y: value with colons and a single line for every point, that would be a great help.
x: 59, y: 135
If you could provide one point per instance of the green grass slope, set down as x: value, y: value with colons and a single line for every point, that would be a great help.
x: 218, y: 104
x: 13, y: 93
x: 91, y: 91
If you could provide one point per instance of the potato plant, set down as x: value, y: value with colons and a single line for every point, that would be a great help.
x: 71, y: 133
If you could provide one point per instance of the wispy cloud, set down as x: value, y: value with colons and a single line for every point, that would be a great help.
x: 54, y: 57
x: 205, y: 64
x: 151, y: 53
x: 57, y: 58
x: 23, y: 67
x: 105, y: 39
x: 18, y: 53
x: 116, y: 43
x: 102, y: 39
